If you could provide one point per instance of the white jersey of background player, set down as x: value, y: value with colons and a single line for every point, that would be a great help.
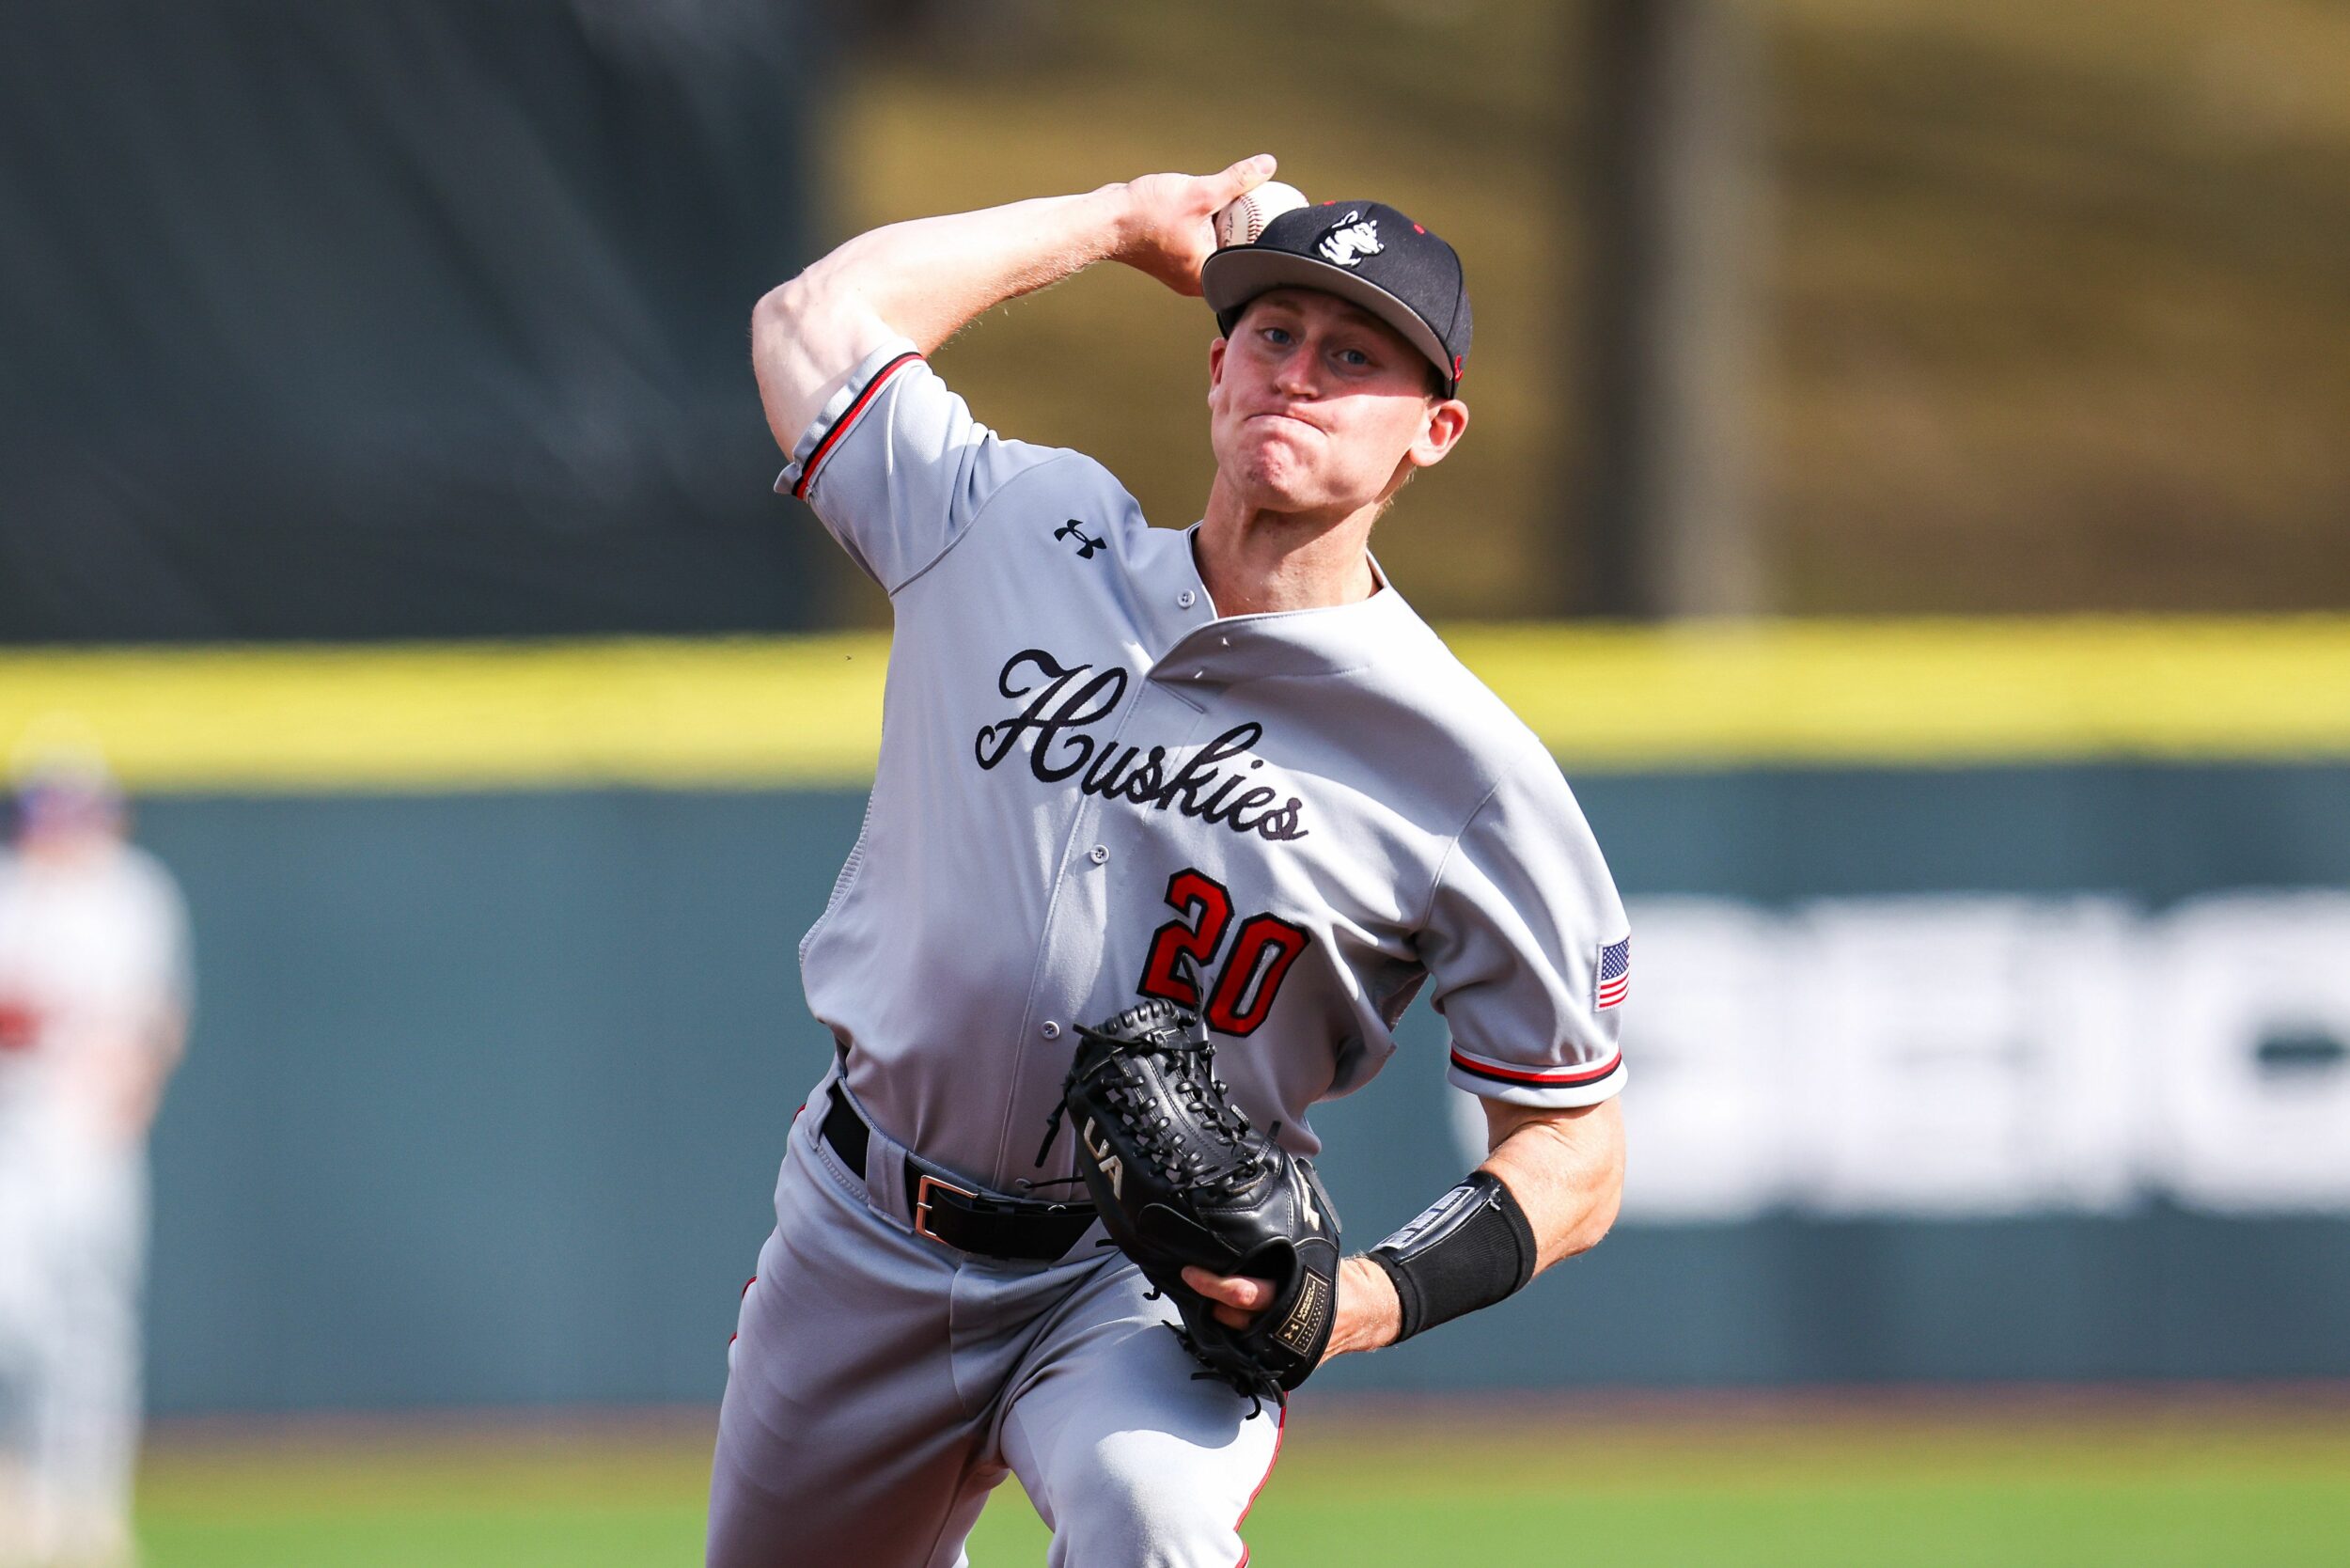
x: 93, y: 1002
x: 1111, y: 752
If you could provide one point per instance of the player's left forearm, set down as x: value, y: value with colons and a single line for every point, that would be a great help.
x: 1565, y: 1168
x: 1565, y: 1172
x: 1370, y: 1315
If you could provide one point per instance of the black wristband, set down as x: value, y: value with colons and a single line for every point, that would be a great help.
x: 1470, y: 1248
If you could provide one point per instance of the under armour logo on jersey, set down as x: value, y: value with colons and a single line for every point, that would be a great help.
x: 1350, y: 239
x: 1085, y: 546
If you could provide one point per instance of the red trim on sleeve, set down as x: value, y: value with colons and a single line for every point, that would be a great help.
x: 848, y: 417
x: 1559, y: 1078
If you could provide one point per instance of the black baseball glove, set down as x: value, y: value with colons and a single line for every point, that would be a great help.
x: 1180, y: 1179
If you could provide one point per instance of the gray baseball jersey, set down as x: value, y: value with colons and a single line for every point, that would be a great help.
x: 1093, y: 788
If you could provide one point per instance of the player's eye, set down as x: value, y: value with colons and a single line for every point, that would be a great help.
x: 1354, y: 357
x: 1278, y: 337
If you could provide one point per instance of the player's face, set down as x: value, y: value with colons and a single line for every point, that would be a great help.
x: 53, y: 823
x: 1315, y: 405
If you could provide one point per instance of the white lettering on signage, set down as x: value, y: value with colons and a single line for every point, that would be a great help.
x: 1972, y: 1055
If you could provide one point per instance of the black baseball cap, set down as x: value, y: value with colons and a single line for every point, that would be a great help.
x: 1368, y: 254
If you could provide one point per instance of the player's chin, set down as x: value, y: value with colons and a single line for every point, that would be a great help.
x: 1269, y: 488
x: 1275, y: 471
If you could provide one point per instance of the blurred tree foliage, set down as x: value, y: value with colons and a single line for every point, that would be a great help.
x: 2059, y: 313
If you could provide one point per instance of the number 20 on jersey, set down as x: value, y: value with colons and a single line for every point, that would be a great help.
x: 1253, y: 964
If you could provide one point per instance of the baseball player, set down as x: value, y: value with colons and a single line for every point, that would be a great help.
x: 93, y: 1003
x: 1226, y: 767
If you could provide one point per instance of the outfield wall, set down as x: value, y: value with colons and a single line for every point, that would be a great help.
x: 1989, y: 1021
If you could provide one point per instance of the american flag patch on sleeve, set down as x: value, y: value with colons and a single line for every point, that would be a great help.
x: 1615, y: 974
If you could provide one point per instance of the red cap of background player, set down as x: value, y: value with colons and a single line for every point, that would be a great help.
x: 1368, y: 254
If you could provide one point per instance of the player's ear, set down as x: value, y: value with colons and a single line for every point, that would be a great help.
x: 1215, y: 361
x: 1446, y: 422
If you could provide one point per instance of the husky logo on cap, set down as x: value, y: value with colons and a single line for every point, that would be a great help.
x: 1350, y: 239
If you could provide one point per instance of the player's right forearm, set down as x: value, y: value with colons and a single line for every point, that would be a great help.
x: 926, y: 280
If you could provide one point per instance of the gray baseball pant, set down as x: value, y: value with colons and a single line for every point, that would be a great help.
x: 880, y: 1385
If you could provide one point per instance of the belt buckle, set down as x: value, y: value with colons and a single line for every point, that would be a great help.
x: 922, y: 1206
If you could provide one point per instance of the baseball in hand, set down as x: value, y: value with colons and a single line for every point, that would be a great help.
x: 1243, y: 220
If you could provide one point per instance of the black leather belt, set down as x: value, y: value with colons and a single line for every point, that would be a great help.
x: 961, y: 1216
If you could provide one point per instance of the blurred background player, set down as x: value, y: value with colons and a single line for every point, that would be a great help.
x: 93, y: 1016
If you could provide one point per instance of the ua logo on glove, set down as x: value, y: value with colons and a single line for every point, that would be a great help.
x: 1113, y: 1169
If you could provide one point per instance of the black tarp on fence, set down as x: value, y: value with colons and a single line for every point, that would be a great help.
x: 396, y: 318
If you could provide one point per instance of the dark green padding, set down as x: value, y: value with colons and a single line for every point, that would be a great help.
x: 487, y: 1094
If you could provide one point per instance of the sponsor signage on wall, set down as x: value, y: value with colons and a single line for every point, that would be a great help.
x: 1938, y: 1055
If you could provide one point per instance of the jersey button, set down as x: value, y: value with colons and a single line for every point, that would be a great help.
x: 1097, y: 855
x: 1051, y: 1029
x: 1185, y: 600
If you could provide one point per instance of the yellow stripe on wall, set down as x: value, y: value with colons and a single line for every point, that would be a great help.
x: 525, y: 715
x: 746, y: 712
x: 1924, y: 692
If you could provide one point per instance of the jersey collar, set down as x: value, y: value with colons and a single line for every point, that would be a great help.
x: 1209, y: 649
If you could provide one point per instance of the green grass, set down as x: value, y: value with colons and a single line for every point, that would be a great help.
x: 2146, y: 1486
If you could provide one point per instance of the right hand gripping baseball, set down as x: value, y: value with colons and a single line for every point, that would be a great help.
x: 1171, y: 223
x: 1182, y: 1179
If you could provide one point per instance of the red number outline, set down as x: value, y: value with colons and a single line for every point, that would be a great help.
x: 1208, y: 908
x: 1240, y: 998
x: 1241, y: 981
